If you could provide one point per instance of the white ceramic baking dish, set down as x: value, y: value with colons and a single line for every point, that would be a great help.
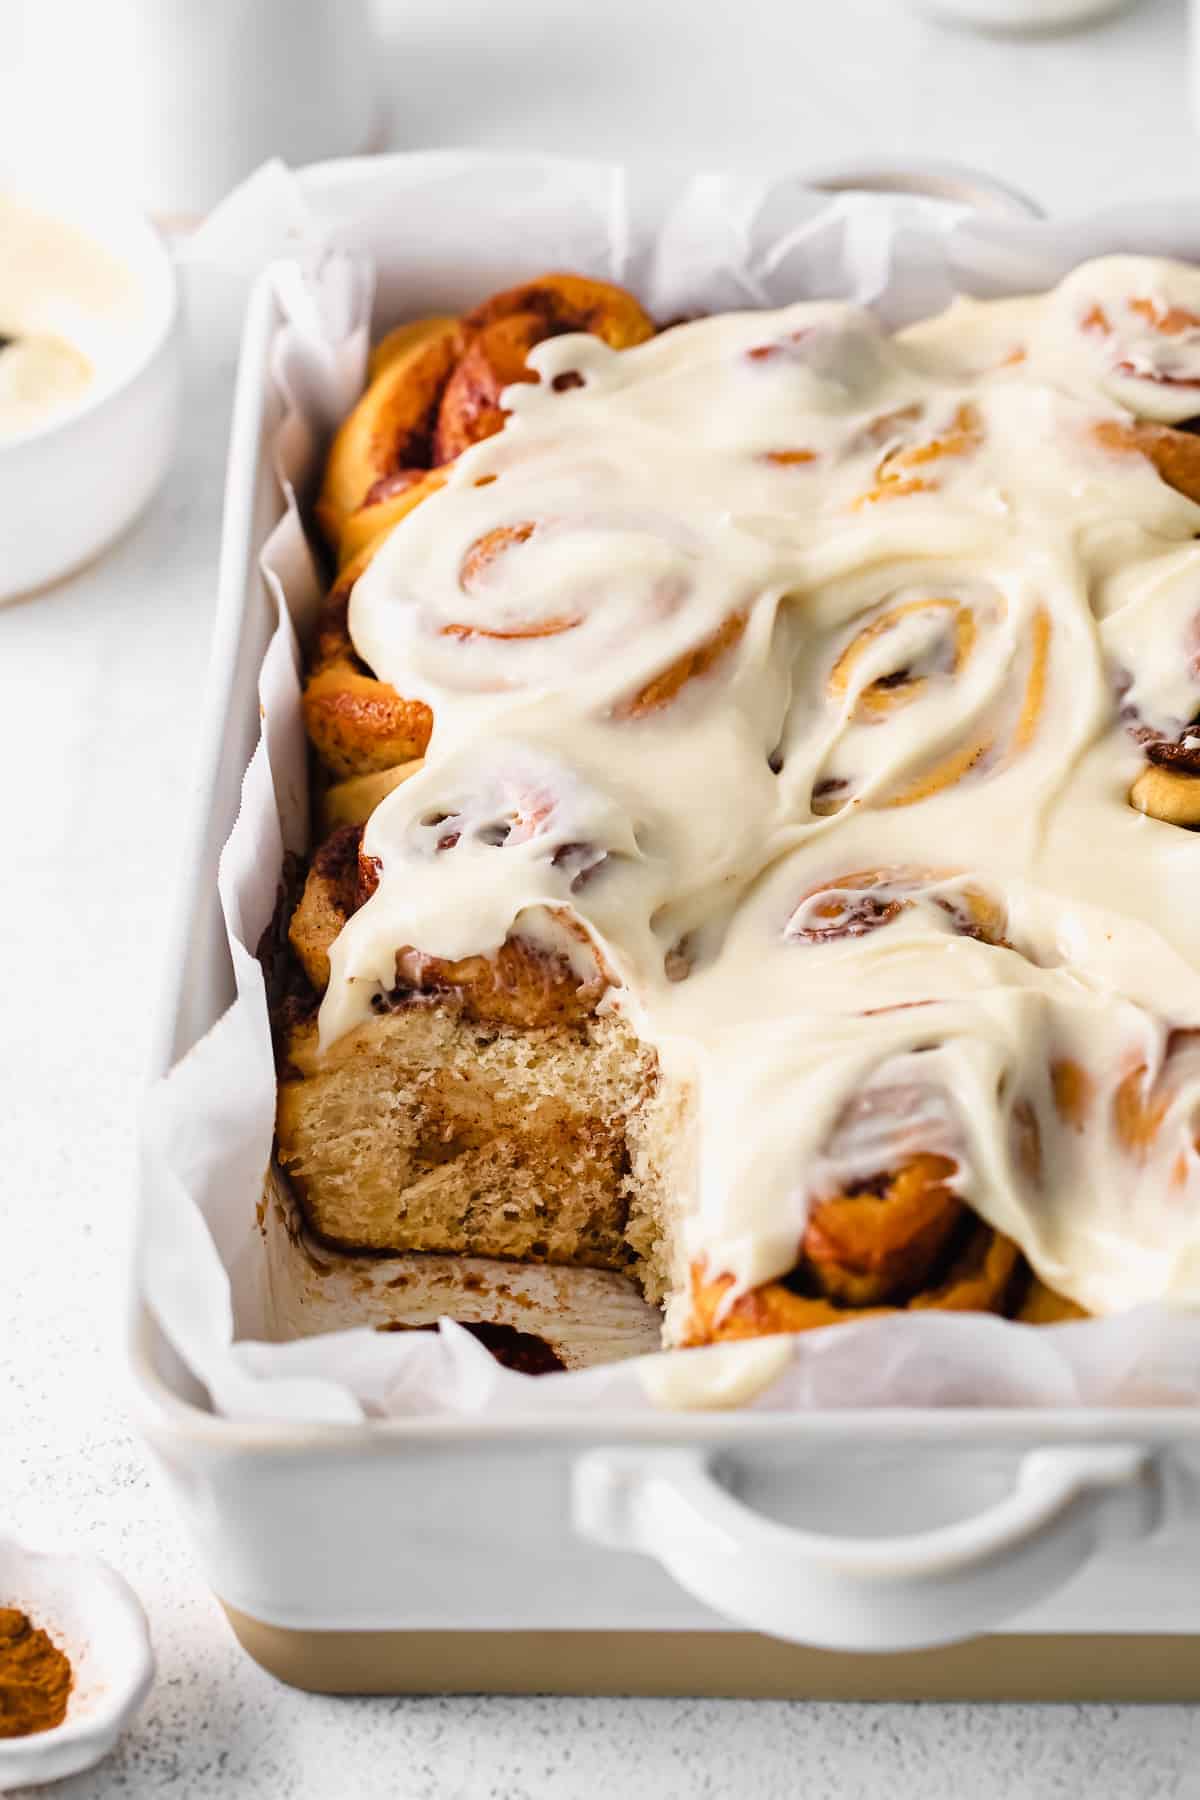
x: 389, y: 1555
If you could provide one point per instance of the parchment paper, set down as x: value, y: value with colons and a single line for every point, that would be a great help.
x: 396, y: 237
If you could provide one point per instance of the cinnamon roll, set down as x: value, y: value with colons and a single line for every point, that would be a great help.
x: 1151, y: 632
x: 358, y: 726
x: 759, y: 770
x: 435, y: 388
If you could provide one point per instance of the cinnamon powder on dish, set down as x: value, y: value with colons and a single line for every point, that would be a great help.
x: 35, y: 1677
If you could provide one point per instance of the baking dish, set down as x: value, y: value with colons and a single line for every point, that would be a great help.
x: 346, y: 1553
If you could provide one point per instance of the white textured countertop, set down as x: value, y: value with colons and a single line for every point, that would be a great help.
x: 100, y: 685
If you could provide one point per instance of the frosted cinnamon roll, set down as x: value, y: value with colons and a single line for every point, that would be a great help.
x: 898, y: 1237
x: 626, y: 597
x: 916, y: 447
x: 850, y: 906
x: 547, y: 973
x: 1136, y: 329
x: 359, y: 726
x: 1151, y: 631
x: 509, y: 1141
x: 434, y: 388
x: 892, y: 1216
x: 1124, y: 327
x: 983, y: 1272
x: 886, y: 1224
x: 960, y: 1129
x: 626, y: 594
x: 916, y: 687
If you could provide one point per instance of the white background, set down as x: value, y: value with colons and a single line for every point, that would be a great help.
x: 100, y: 683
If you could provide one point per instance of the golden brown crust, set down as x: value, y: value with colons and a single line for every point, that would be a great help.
x: 434, y: 389
x: 1171, y: 795
x: 390, y: 430
x: 352, y: 802
x: 1175, y: 454
x: 520, y: 984
x: 357, y: 724
x: 980, y: 1279
x: 881, y: 1241
x: 338, y: 883
x: 506, y: 328
x: 904, y: 1242
x: 492, y: 361
x: 383, y: 506
x: 566, y: 302
x: 1042, y: 1306
x: 360, y: 726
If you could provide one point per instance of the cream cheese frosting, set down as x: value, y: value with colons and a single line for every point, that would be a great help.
x: 804, y: 669
x: 68, y: 310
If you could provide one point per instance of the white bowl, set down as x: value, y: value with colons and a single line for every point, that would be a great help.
x: 94, y: 1616
x: 68, y: 487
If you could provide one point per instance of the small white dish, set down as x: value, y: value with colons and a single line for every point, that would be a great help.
x: 71, y: 484
x: 92, y: 1615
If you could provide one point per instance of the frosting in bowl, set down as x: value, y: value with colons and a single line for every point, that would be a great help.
x: 70, y: 315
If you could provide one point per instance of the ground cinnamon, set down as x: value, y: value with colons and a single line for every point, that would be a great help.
x: 35, y: 1677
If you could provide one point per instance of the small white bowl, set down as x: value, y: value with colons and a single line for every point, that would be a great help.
x: 71, y: 485
x: 96, y: 1619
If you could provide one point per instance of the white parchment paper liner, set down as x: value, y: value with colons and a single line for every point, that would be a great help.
x: 367, y: 245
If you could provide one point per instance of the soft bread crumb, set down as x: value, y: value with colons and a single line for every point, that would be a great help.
x: 422, y: 1130
x: 661, y: 1184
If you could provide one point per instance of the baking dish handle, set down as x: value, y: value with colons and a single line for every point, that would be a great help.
x: 863, y: 1593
